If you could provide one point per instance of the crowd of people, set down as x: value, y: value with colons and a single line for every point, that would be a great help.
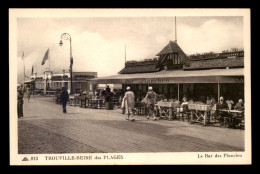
x: 128, y: 101
x: 151, y: 98
x: 105, y: 94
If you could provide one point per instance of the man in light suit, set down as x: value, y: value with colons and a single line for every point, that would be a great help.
x: 129, y: 103
x: 151, y: 99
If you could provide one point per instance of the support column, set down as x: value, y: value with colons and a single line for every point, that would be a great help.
x: 178, y: 91
x: 218, y: 91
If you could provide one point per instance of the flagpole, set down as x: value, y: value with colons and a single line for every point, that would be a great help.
x: 23, y: 71
x: 175, y: 30
x: 125, y: 53
x: 49, y: 61
x: 23, y: 68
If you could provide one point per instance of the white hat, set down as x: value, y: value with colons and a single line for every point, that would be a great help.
x: 128, y: 88
x: 150, y: 88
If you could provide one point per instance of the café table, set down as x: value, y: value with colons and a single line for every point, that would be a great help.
x: 168, y: 106
x: 76, y: 100
x: 231, y: 115
x: 96, y: 102
x: 200, y: 111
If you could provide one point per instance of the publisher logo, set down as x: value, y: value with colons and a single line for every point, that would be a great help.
x: 25, y: 159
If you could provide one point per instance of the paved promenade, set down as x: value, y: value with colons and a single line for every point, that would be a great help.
x: 45, y: 129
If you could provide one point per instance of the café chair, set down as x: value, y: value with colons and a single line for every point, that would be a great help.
x: 71, y: 101
x: 142, y: 108
x: 239, y: 120
x: 223, y: 118
x: 76, y: 101
x: 242, y: 121
x: 213, y: 113
x: 184, y: 113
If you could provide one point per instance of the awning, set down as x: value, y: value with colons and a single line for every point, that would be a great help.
x: 29, y: 82
x: 178, y: 76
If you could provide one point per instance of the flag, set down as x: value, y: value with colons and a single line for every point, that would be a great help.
x: 32, y: 70
x: 46, y: 56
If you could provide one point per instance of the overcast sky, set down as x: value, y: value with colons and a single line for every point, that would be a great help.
x: 98, y: 44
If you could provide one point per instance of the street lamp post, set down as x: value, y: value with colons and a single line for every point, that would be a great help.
x: 66, y: 36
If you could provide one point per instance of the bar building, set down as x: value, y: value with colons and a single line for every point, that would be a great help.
x: 175, y: 75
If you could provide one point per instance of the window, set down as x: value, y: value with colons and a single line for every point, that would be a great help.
x: 174, y: 58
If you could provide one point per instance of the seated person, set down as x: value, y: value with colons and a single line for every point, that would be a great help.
x: 202, y: 100
x: 208, y: 102
x: 184, y: 105
x: 240, y: 105
x: 213, y: 101
x: 91, y: 94
x: 221, y: 105
x: 185, y: 102
x: 191, y: 101
x: 230, y: 104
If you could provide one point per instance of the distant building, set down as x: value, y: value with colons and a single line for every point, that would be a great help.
x: 51, y: 82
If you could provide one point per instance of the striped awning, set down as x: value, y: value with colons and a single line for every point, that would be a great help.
x: 177, y: 76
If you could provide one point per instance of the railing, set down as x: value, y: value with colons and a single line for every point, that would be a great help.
x: 217, y: 55
x: 141, y: 62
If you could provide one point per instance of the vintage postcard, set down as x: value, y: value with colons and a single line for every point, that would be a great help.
x: 129, y: 86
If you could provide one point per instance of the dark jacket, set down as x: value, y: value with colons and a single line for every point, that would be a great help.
x: 222, y: 106
x: 64, y: 96
x: 108, y: 90
x: 20, y: 96
x: 239, y: 106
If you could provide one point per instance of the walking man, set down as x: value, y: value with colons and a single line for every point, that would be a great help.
x: 129, y: 103
x: 20, y: 102
x: 64, y: 99
x: 151, y: 97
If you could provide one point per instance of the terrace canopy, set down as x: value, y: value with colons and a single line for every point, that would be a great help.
x: 29, y: 82
x: 177, y: 76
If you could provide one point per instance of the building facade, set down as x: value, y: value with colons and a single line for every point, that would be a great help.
x: 52, y: 82
x: 175, y: 75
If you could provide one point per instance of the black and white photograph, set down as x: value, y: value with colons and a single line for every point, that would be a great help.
x: 129, y: 86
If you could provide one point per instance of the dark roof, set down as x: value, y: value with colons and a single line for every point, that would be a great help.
x: 60, y: 77
x: 171, y: 47
x: 84, y: 76
x: 139, y: 67
x: 214, y: 63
